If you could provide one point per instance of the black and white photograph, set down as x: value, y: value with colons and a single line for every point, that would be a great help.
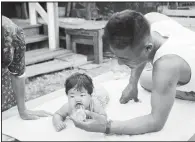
x: 97, y: 70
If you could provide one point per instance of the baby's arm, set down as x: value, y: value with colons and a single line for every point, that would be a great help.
x: 59, y: 117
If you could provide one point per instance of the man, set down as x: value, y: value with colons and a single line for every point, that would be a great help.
x: 13, y: 71
x: 135, y: 40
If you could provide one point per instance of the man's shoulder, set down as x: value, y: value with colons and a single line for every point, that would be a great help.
x: 169, y: 63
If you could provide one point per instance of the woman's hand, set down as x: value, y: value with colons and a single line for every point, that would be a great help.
x: 97, y: 123
x: 33, y: 115
x: 129, y: 93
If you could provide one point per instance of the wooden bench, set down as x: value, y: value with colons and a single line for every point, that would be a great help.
x: 84, y: 32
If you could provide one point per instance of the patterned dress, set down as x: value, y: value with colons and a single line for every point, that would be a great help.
x: 12, y: 60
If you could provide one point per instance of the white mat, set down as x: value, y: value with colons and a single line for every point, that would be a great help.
x: 180, y: 125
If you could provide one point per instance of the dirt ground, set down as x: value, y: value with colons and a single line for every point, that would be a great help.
x: 44, y: 84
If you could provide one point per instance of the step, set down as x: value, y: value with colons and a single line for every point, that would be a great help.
x: 36, y: 38
x: 32, y: 30
x: 54, y: 65
x: 74, y: 59
x: 40, y: 55
x: 29, y: 30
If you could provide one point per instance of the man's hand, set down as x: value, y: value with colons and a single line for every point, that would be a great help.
x: 33, y: 115
x: 129, y: 93
x: 97, y: 123
x: 59, y: 126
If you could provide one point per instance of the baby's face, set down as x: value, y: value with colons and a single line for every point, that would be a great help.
x: 76, y: 97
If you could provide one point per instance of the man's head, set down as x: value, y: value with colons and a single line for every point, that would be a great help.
x: 128, y: 35
x: 79, y: 88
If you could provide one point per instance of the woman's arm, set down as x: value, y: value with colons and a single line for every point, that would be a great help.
x: 17, y: 69
x: 18, y: 85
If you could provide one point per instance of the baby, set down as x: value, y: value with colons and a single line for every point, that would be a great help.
x: 79, y: 89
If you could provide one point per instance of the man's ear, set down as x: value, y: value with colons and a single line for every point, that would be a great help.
x: 149, y: 47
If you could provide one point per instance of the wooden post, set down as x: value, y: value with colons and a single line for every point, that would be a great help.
x: 88, y: 11
x: 53, y: 25
x: 98, y: 47
x: 68, y: 9
x: 74, y: 47
x: 68, y: 42
x: 24, y: 10
x: 32, y: 13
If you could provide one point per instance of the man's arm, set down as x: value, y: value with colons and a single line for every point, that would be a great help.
x: 163, y: 94
x: 131, y: 90
x: 135, y: 74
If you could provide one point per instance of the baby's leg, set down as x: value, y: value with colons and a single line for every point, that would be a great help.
x: 101, y: 95
x: 146, y: 83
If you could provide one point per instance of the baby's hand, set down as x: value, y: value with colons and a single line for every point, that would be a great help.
x: 60, y: 126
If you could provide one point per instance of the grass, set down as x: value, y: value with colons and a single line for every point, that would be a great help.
x: 45, y: 84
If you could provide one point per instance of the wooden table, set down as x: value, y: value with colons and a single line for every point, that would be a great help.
x: 80, y: 31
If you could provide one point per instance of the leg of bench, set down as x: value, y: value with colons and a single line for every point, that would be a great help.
x: 74, y: 47
x: 98, y: 47
x: 68, y: 42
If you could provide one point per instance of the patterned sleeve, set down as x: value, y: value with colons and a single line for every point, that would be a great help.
x: 17, y: 67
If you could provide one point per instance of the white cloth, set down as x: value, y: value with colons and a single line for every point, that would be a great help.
x: 181, y: 42
x: 179, y: 126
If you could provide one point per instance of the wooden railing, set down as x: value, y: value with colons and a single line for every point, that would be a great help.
x: 50, y: 18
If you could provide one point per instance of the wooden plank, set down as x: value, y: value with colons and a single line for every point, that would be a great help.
x: 53, y: 25
x: 82, y: 40
x: 89, y: 66
x: 88, y: 9
x: 36, y: 38
x: 61, y: 57
x: 41, y: 12
x: 24, y: 7
x: 44, y: 57
x: 31, y: 31
x: 82, y: 32
x: 75, y: 59
x: 68, y: 42
x: 32, y: 13
x: 74, y: 47
x: 46, y: 67
x: 37, y: 52
x: 63, y: 37
x: 56, y: 65
x: 98, y: 47
x: 177, y: 12
x: 30, y: 26
x: 68, y: 9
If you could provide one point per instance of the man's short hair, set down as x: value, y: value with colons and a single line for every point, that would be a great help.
x: 126, y: 28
